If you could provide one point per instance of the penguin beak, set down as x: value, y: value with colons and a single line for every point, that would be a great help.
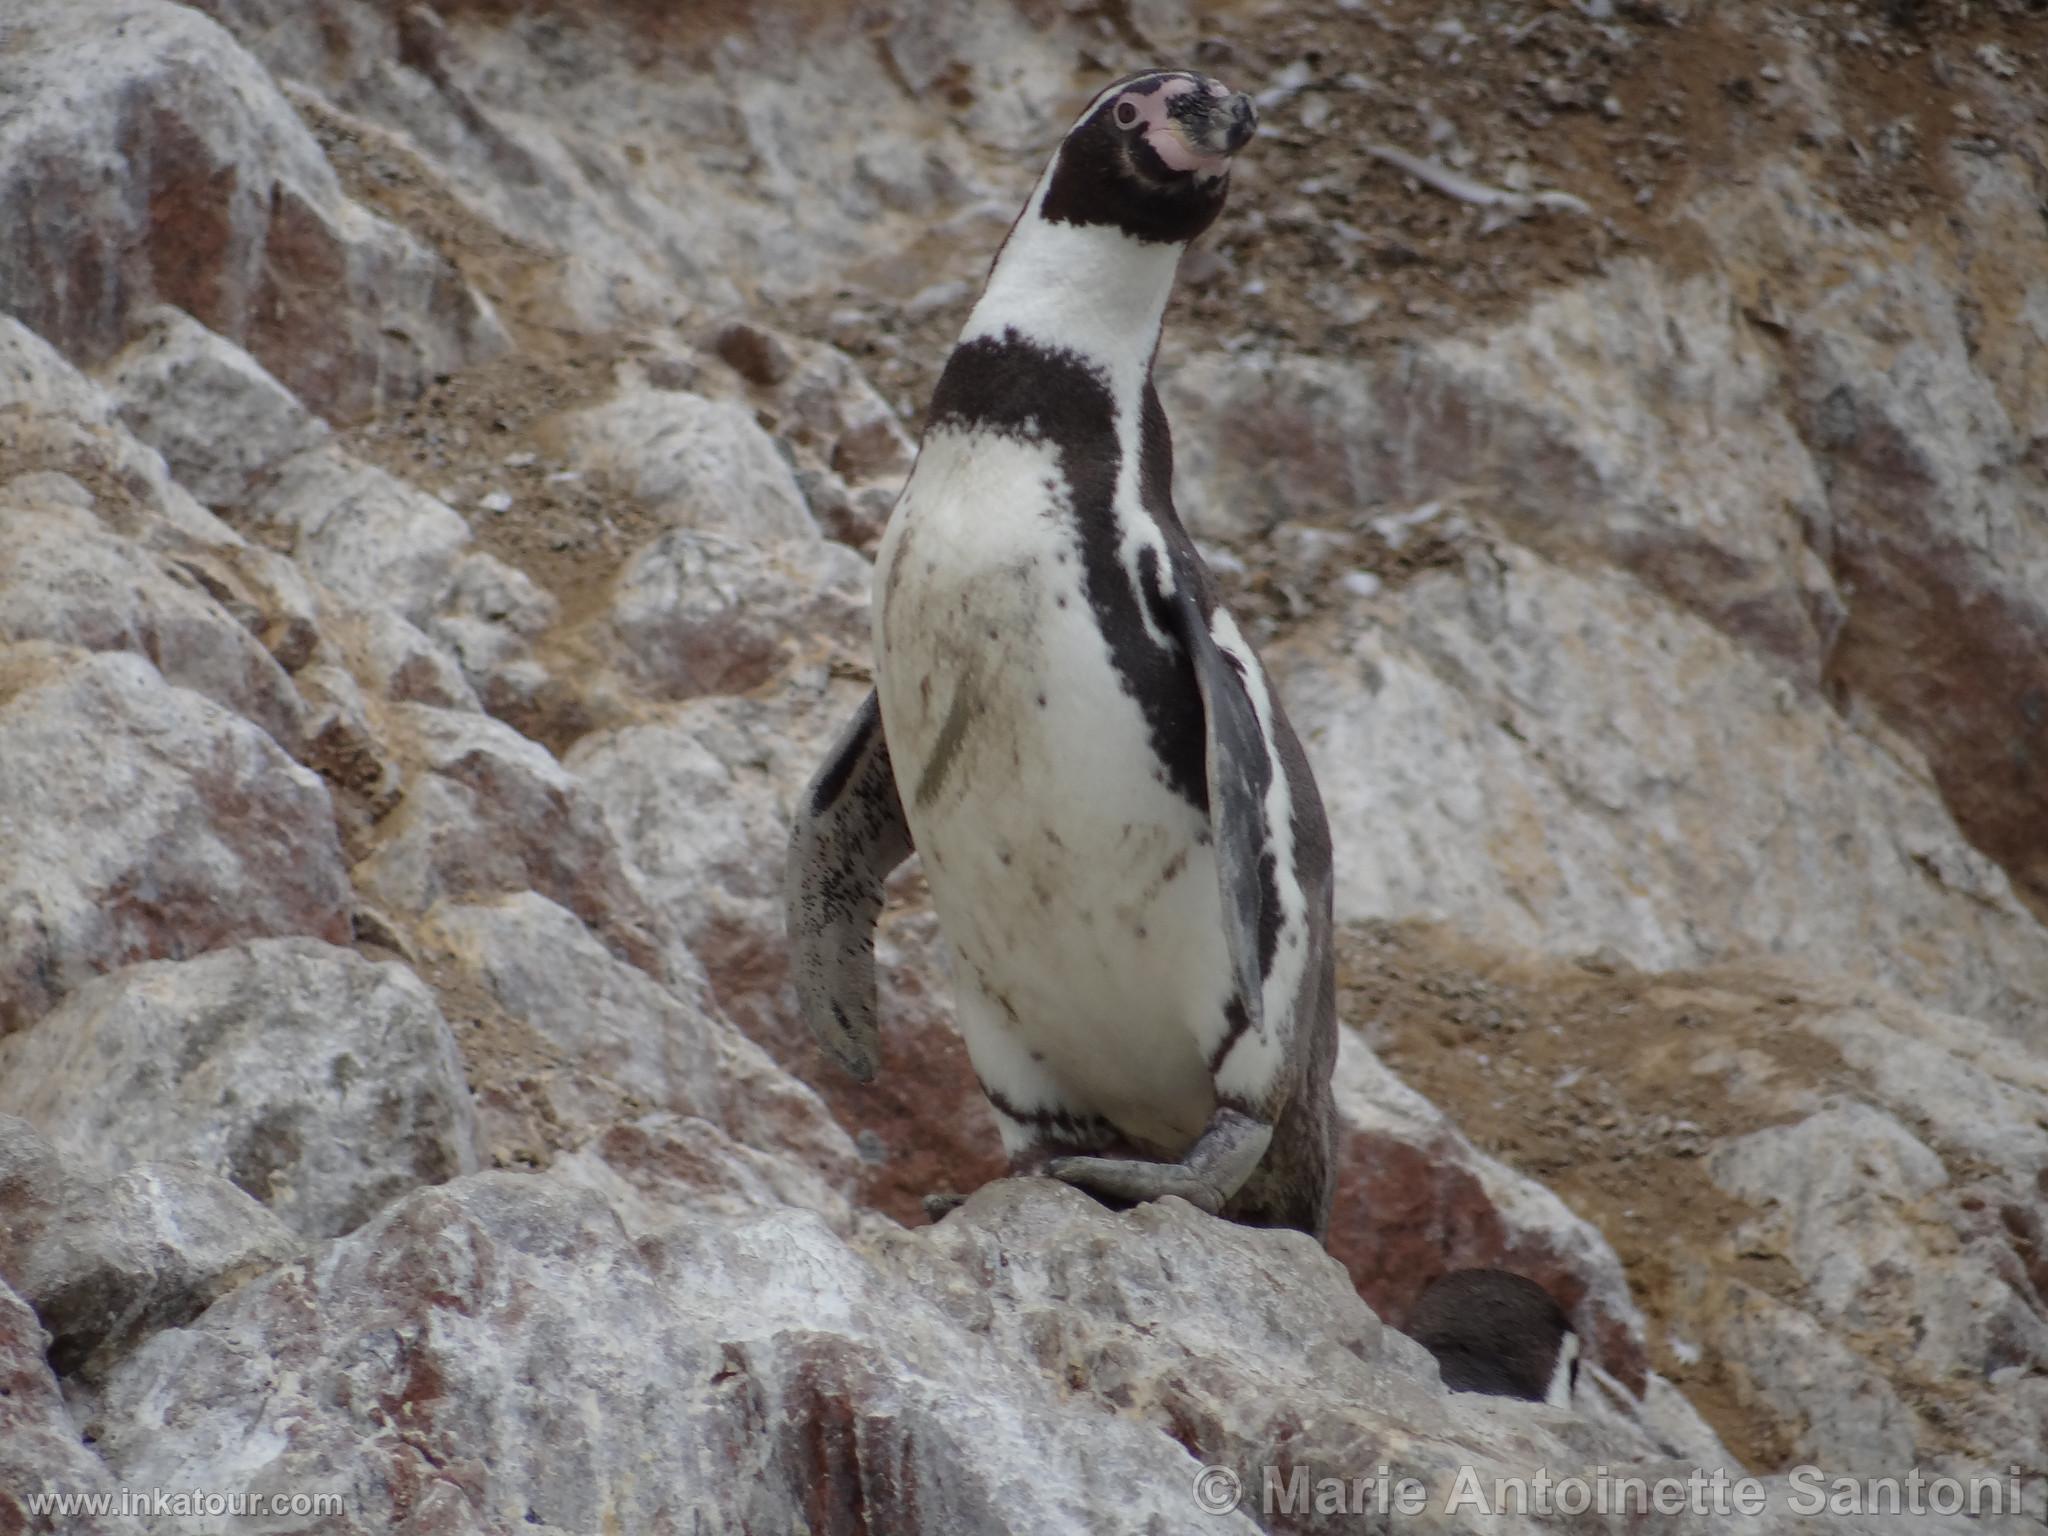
x: 1232, y: 124
x: 1216, y: 123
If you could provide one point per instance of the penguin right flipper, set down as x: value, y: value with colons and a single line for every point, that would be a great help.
x: 849, y: 834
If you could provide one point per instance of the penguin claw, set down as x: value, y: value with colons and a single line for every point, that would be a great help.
x: 1131, y: 1182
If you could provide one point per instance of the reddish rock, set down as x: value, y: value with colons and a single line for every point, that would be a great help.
x: 140, y: 821
x: 173, y: 170
x: 1416, y: 1200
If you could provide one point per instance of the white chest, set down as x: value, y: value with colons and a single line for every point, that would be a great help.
x: 1073, y: 883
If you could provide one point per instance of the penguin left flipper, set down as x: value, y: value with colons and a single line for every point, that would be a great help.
x: 849, y: 833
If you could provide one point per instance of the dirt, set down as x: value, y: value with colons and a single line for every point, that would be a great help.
x: 1326, y: 249
x: 1611, y: 1086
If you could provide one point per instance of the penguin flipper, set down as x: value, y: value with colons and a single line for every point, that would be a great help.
x: 849, y: 833
x: 1240, y: 771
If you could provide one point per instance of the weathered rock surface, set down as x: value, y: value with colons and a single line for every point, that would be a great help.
x: 624, y: 1043
x: 695, y: 462
x: 216, y: 415
x: 697, y: 613
x: 40, y: 1451
x: 1564, y: 761
x: 139, y: 821
x: 1415, y: 1200
x: 503, y: 1353
x: 1659, y: 589
x: 106, y: 1262
x: 233, y: 214
x: 491, y: 813
x: 323, y: 1084
x: 66, y: 580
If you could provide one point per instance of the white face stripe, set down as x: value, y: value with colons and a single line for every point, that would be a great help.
x: 1559, y: 1393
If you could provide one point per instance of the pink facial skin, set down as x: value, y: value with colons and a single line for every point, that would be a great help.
x: 1164, y: 134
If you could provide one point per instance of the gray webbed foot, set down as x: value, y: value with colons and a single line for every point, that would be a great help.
x: 1221, y: 1159
x: 1124, y: 1182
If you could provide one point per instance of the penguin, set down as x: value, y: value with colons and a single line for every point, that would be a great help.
x: 1124, y: 844
x: 1498, y: 1333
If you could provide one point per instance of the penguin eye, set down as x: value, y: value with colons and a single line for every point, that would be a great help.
x: 1126, y: 113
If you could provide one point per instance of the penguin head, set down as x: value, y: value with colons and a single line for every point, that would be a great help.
x: 1498, y: 1333
x: 1151, y: 156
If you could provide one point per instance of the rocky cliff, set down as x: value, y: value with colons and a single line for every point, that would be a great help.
x: 440, y: 450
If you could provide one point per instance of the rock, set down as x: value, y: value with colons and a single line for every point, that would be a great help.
x: 1561, y: 762
x: 792, y: 1377
x: 649, y: 1168
x: 1932, y: 1281
x: 1932, y: 520
x: 343, y: 746
x: 620, y: 1038
x: 489, y: 813
x: 319, y: 1082
x: 700, y: 802
x: 40, y: 1453
x: 756, y: 355
x: 696, y: 613
x: 693, y: 462
x: 489, y: 619
x: 139, y: 821
x: 61, y: 425
x: 1415, y: 1200
x: 107, y: 1262
x: 65, y: 580
x: 371, y: 539
x: 216, y: 415
x: 396, y: 660
x: 236, y: 217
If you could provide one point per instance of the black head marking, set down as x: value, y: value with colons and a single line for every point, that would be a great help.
x: 1151, y: 157
x: 1491, y: 1331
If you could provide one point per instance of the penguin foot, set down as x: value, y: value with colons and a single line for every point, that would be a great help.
x: 1221, y: 1159
x: 1121, y: 1181
x: 940, y: 1204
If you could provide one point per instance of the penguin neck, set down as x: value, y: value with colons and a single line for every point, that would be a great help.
x: 1088, y: 290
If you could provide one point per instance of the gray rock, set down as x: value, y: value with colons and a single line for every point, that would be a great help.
x: 766, y: 1374
x: 694, y: 462
x: 40, y: 1452
x: 216, y: 415
x: 490, y: 813
x: 321, y: 1083
x: 106, y: 1262
x: 237, y: 219
x: 139, y: 820
x: 66, y: 580
x: 661, y: 1168
x: 489, y: 619
x: 696, y: 613
x: 1561, y: 761
x: 60, y: 423
x: 622, y: 1038
x: 396, y: 660
x: 371, y: 539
